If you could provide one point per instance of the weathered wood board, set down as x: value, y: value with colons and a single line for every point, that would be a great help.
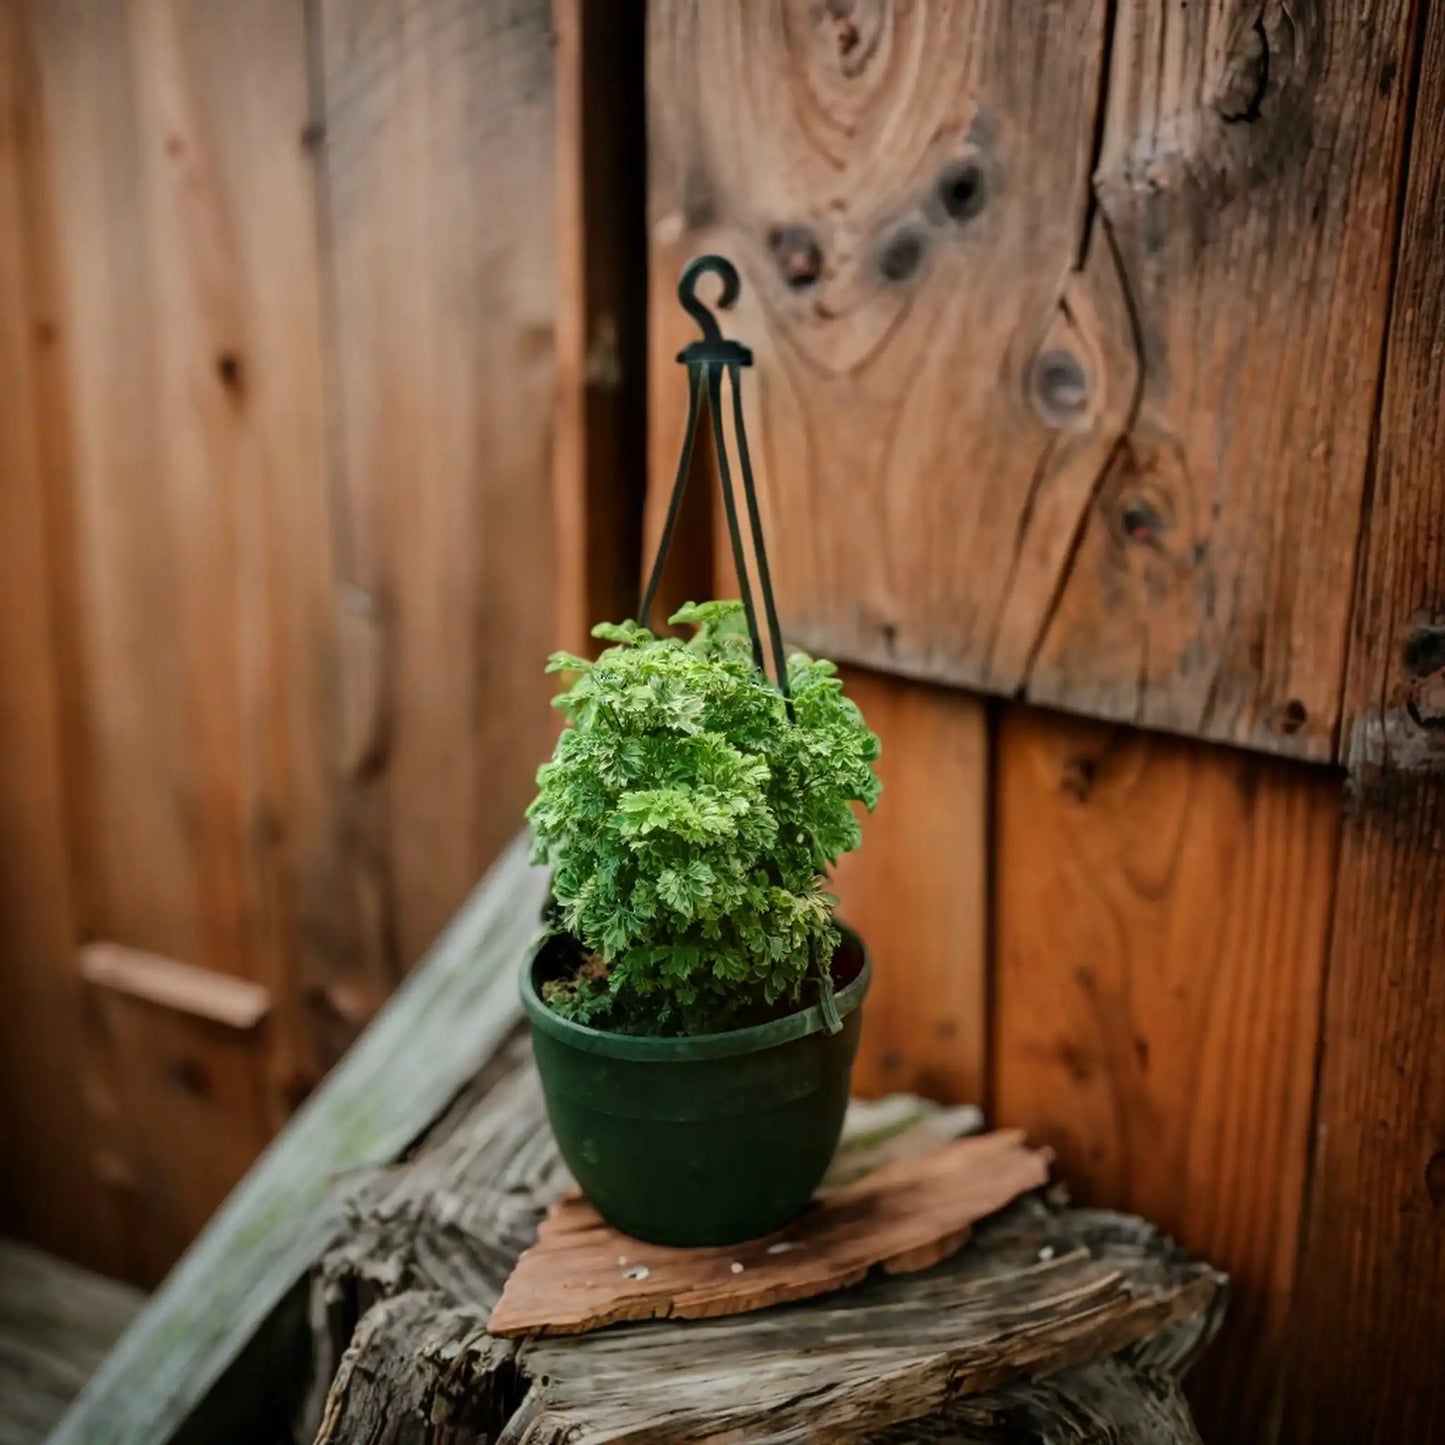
x: 1018, y: 426
x: 582, y: 1274
x: 1162, y: 915
x: 57, y: 1323
x: 1373, y: 1271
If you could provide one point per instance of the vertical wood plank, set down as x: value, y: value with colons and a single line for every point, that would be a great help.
x: 440, y: 214
x: 1162, y: 912
x: 193, y: 578
x: 47, y: 1191
x: 900, y: 187
x: 918, y: 891
x: 600, y: 447
x: 1070, y: 332
x: 1247, y: 183
x: 1371, y: 1307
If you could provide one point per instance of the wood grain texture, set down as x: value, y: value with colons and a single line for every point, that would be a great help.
x: 1107, y: 1401
x: 1162, y: 912
x: 192, y: 582
x: 431, y: 1242
x: 440, y: 213
x: 56, y: 1324
x: 582, y: 1274
x: 917, y: 891
x: 43, y: 1118
x: 1247, y: 180
x: 1372, y: 1280
x: 195, y: 1344
x: 1019, y: 424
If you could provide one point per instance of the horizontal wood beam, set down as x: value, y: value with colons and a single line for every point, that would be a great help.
x: 238, y: 1003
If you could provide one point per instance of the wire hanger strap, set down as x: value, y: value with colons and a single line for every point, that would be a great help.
x: 706, y: 361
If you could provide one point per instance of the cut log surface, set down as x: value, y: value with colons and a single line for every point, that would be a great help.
x: 582, y: 1274
x: 966, y: 1350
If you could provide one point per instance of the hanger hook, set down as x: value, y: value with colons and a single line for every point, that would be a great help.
x: 692, y: 273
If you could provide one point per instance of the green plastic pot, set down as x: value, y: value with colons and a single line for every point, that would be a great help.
x: 710, y: 1139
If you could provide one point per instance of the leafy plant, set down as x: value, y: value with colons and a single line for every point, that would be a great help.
x: 688, y: 815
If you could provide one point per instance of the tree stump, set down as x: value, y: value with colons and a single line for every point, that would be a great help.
x: 1053, y: 1324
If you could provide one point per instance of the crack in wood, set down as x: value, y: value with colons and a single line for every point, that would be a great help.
x: 1126, y: 428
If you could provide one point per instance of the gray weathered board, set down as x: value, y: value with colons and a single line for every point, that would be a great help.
x: 57, y: 1322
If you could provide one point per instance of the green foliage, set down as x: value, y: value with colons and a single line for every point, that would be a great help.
x: 688, y: 819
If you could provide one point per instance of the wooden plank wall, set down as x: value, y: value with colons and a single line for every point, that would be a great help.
x: 279, y: 287
x: 1098, y: 367
x: 1373, y: 1267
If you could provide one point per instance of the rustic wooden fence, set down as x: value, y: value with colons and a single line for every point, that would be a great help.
x: 1096, y: 410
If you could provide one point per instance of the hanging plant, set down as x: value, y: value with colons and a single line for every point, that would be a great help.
x: 695, y: 1002
x: 689, y: 815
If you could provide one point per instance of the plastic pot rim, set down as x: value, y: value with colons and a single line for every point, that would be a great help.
x: 729, y: 1044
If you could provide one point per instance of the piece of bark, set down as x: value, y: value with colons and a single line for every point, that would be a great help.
x: 582, y: 1274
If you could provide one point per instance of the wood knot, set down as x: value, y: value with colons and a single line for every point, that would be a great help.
x: 1077, y: 779
x: 1059, y: 387
x: 1293, y: 716
x: 1435, y: 1178
x: 231, y: 372
x: 901, y: 254
x: 188, y: 1076
x: 961, y: 191
x: 798, y: 255
x: 1424, y: 650
x: 1246, y: 77
x: 1423, y: 657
